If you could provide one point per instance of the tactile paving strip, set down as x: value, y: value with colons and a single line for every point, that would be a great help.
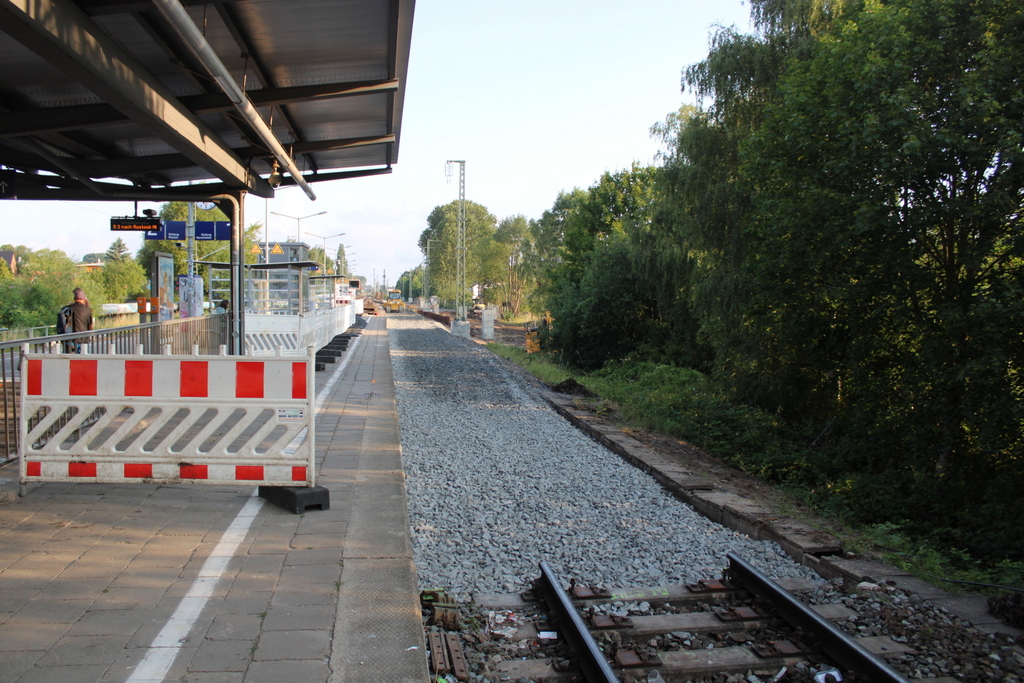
x: 378, y: 635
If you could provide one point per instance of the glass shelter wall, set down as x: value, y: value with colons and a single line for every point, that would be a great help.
x: 282, y: 288
x: 279, y: 291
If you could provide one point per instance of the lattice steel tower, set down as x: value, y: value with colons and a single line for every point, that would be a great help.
x: 460, y: 247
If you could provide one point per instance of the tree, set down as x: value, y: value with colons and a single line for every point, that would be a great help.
x: 516, y: 277
x: 547, y: 236
x: 603, y: 316
x: 889, y: 257
x: 318, y: 255
x: 342, y: 260
x: 118, y: 251
x: 19, y: 308
x: 698, y: 239
x: 45, y: 281
x: 123, y: 280
x: 410, y: 283
x: 94, y: 257
x: 600, y: 312
x: 441, y: 235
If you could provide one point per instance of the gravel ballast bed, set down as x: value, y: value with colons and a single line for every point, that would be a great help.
x: 497, y: 482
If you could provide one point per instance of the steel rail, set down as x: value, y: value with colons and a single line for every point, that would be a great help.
x: 836, y: 644
x: 593, y: 664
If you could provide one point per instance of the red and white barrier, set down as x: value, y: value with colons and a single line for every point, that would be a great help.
x: 168, y: 419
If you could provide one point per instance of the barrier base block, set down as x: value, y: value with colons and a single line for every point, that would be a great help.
x: 297, y: 498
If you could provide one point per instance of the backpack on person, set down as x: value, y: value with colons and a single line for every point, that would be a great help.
x: 64, y: 320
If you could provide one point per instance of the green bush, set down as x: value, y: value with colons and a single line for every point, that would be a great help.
x: 686, y: 404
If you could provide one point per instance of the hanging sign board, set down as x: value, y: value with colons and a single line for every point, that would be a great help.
x: 174, y: 230
x: 205, y: 231
x: 134, y: 223
x: 213, y: 230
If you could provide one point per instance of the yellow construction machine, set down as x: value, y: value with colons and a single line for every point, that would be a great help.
x: 394, y: 302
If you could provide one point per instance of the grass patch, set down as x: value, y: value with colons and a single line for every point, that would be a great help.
x: 951, y: 569
x: 676, y: 401
x: 684, y: 403
x: 540, y: 365
x: 521, y: 319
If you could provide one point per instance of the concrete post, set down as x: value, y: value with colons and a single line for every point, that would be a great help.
x: 487, y: 324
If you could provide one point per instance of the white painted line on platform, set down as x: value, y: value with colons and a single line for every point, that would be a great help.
x: 165, y: 647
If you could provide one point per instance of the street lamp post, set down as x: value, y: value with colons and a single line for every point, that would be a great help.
x: 325, y: 244
x: 298, y: 220
x: 349, y: 264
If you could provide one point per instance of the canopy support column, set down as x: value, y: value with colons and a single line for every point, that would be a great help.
x: 236, y: 309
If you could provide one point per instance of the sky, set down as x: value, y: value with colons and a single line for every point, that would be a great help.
x: 537, y: 97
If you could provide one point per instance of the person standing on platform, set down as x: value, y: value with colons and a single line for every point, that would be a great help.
x: 81, y: 315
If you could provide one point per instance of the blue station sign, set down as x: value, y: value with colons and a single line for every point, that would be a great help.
x: 205, y: 231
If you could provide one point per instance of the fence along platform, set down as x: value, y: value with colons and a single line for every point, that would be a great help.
x: 167, y: 419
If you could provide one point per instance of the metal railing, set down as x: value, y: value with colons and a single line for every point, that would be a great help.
x: 207, y: 333
x: 10, y: 334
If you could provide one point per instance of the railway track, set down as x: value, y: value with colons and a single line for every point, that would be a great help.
x: 494, y: 479
x: 743, y: 625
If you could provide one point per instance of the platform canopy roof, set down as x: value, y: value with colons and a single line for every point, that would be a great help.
x: 183, y: 99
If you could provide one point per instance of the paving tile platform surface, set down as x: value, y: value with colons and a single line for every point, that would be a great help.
x: 133, y: 582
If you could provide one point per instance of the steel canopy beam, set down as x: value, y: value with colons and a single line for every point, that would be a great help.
x: 56, y: 119
x: 114, y: 168
x: 62, y: 34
